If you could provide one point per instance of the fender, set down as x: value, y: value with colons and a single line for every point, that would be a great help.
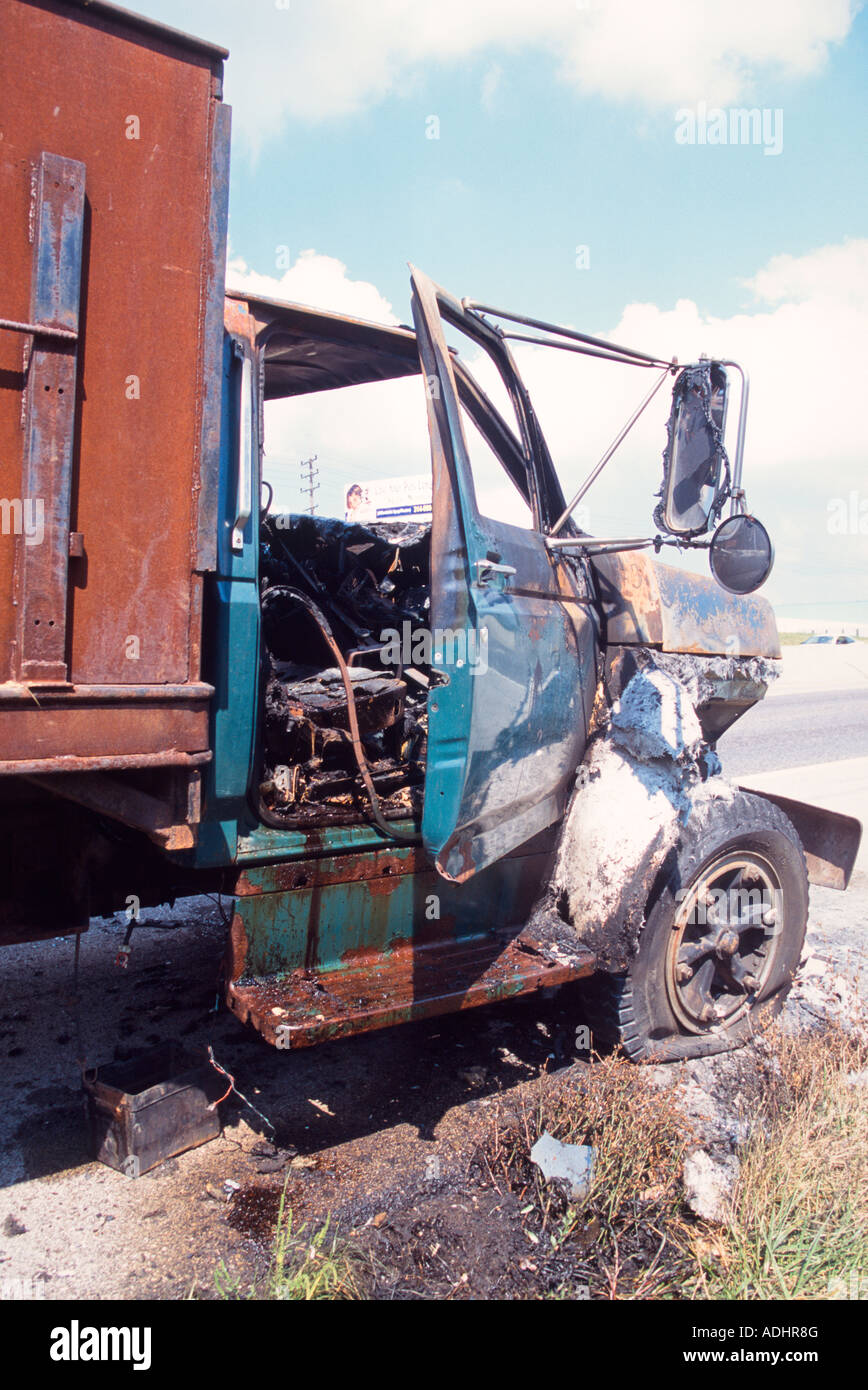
x: 830, y: 839
x: 646, y: 773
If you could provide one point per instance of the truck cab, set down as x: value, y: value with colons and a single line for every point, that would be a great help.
x: 379, y: 739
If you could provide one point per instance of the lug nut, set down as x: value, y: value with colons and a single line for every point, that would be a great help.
x: 683, y: 972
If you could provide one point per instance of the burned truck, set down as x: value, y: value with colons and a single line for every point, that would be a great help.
x: 434, y: 764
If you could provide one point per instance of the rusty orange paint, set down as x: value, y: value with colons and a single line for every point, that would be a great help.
x: 410, y: 982
x: 73, y: 78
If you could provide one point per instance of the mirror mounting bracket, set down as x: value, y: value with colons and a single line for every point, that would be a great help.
x: 616, y: 443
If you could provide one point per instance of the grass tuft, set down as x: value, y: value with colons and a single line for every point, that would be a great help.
x: 306, y: 1263
x: 800, y: 1226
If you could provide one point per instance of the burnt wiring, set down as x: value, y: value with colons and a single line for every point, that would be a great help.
x: 232, y: 1087
x: 134, y: 923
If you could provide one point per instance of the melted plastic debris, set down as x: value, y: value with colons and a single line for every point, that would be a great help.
x: 570, y: 1164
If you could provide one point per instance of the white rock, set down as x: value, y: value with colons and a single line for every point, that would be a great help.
x: 709, y: 1184
x: 812, y: 965
x: 662, y: 1076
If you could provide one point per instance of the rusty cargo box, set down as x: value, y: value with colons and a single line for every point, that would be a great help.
x: 113, y: 182
x: 143, y: 1111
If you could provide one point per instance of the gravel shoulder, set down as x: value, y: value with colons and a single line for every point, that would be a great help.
x: 375, y: 1128
x: 381, y: 1125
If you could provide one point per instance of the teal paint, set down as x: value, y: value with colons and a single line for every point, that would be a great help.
x: 231, y: 641
x: 327, y: 926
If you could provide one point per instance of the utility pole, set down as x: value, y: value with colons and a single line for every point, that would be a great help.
x: 308, y: 473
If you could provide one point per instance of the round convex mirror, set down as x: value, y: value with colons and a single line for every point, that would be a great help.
x: 741, y: 554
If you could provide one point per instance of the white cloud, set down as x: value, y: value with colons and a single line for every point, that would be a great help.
x: 317, y: 59
x: 831, y: 273
x: 670, y: 52
x: 806, y: 349
x: 805, y: 346
x: 320, y: 281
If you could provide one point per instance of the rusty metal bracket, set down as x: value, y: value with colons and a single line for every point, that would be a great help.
x: 158, y: 819
x: 41, y: 330
x: 46, y: 484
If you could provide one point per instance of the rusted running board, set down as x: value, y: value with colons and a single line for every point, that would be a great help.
x: 380, y: 989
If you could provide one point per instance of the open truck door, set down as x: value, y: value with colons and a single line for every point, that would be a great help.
x: 507, y: 725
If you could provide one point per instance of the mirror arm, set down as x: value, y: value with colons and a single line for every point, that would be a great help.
x: 737, y: 493
x: 473, y: 306
x: 600, y: 545
x: 591, y: 542
x: 616, y: 442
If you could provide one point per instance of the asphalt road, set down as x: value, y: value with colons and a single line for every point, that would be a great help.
x: 809, y: 740
x: 796, y: 730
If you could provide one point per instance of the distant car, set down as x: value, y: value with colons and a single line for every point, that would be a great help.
x: 827, y: 640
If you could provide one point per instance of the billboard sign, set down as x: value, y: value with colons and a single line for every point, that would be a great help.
x: 389, y: 499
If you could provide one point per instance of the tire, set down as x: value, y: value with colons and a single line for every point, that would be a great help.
x: 722, y: 939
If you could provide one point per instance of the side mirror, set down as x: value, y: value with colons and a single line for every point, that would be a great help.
x: 741, y: 554
x: 694, y: 455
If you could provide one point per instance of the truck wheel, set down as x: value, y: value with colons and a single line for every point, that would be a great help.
x: 723, y: 938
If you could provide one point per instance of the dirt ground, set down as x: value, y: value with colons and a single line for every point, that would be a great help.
x: 384, y: 1132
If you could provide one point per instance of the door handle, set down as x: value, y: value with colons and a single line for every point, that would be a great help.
x: 244, y: 494
x: 486, y: 568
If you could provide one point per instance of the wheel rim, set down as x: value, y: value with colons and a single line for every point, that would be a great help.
x: 723, y: 940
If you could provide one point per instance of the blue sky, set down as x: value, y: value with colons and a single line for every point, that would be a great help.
x: 497, y: 205
x: 557, y: 126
